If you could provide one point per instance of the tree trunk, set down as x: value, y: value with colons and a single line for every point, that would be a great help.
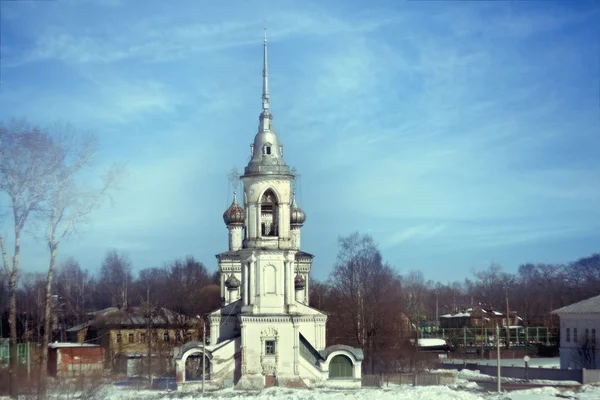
x: 12, y: 319
x: 47, y: 324
x: 12, y: 322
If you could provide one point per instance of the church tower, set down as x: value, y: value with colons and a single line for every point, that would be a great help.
x: 265, y: 333
x: 267, y: 240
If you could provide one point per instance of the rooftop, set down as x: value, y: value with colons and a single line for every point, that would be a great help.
x: 588, y: 306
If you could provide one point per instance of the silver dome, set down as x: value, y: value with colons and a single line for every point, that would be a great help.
x: 234, y: 214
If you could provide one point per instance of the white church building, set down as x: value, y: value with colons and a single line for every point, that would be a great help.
x: 266, y: 334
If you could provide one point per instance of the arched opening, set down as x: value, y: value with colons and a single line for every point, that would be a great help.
x: 193, y: 367
x: 340, y: 367
x: 268, y: 214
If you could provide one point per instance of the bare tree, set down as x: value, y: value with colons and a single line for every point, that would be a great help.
x: 367, y: 293
x: 74, y: 285
x: 115, y: 279
x: 415, y: 292
x: 26, y: 161
x: 68, y: 205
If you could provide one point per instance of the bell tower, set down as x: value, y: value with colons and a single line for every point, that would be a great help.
x: 265, y: 318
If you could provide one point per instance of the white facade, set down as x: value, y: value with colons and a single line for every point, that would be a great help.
x: 579, y: 341
x: 266, y: 334
x: 580, y: 334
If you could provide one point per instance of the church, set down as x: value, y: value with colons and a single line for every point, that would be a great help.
x: 266, y: 334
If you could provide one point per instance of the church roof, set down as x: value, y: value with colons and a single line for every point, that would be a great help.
x: 267, y: 151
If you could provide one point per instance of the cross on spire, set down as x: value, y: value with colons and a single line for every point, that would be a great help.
x: 296, y: 176
x: 234, y: 179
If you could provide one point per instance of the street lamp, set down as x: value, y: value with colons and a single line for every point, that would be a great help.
x: 498, y: 355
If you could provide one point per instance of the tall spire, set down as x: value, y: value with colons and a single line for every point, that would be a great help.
x: 266, y: 151
x: 265, y: 91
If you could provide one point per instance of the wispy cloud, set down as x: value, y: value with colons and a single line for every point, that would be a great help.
x: 417, y: 232
x: 466, y: 128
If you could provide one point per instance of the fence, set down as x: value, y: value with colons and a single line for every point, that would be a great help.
x: 469, y: 336
x: 418, y: 379
x: 521, y: 372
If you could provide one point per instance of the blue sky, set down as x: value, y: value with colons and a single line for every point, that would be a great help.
x: 455, y: 133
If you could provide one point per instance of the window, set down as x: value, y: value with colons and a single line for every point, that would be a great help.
x: 586, y: 335
x: 340, y: 367
x: 268, y: 150
x: 593, y: 336
x: 130, y: 338
x: 270, y: 347
x: 119, y: 338
x: 575, y: 339
x: 142, y: 337
x: 166, y: 336
x: 568, y: 335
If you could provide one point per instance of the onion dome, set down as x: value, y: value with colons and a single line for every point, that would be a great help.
x: 297, y: 216
x: 234, y: 214
x: 299, y: 282
x: 232, y: 282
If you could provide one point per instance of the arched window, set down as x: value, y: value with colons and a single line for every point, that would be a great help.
x: 268, y: 210
x: 340, y: 367
x: 193, y: 367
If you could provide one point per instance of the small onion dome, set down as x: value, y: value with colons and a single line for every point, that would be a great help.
x: 234, y: 214
x: 232, y: 282
x: 297, y: 216
x: 299, y: 282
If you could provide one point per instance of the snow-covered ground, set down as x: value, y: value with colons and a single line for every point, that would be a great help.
x: 475, y: 376
x: 517, y: 362
x: 461, y: 391
x: 465, y: 388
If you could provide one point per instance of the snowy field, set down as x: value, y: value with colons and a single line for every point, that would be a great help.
x: 465, y: 388
x: 461, y: 391
x: 517, y: 362
x: 469, y: 385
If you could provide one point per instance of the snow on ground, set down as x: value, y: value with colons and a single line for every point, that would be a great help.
x: 553, y: 362
x: 476, y: 376
x: 460, y: 391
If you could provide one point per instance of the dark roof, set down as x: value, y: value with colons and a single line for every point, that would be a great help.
x: 588, y: 306
x: 304, y: 254
x: 79, y: 327
x: 138, y: 316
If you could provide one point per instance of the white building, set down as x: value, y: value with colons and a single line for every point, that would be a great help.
x: 266, y: 333
x: 579, y: 334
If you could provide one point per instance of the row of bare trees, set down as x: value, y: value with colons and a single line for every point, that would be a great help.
x: 42, y: 192
x: 184, y: 286
x: 372, y: 306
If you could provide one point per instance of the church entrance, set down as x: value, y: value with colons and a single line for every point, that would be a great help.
x: 270, y: 381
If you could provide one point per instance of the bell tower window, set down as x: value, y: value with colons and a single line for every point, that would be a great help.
x: 268, y: 214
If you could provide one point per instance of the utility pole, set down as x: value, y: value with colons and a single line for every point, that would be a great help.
x: 203, y: 353
x: 507, y: 321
